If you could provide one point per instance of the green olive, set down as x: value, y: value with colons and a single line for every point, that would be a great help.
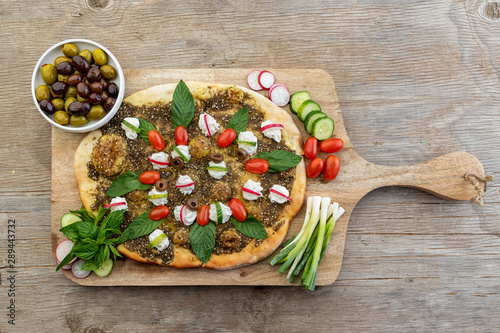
x: 108, y: 72
x: 67, y: 102
x: 81, y: 99
x: 61, y: 59
x: 71, y: 92
x: 61, y: 118
x: 49, y: 73
x: 63, y: 78
x: 58, y: 104
x: 96, y: 112
x: 69, y: 50
x: 100, y: 57
x: 87, y: 55
x: 78, y: 121
x: 42, y: 92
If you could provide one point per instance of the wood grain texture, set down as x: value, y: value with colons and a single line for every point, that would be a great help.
x: 415, y: 80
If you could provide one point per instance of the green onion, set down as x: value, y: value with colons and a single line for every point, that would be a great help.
x: 157, y: 240
x: 135, y: 129
x: 180, y: 153
x: 250, y: 143
x: 218, y: 208
x: 157, y: 196
x: 216, y: 168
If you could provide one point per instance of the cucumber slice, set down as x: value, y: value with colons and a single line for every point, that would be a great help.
x: 216, y: 168
x: 157, y: 240
x: 297, y: 99
x: 68, y: 219
x: 105, y: 268
x: 311, y: 118
x: 218, y: 208
x: 306, y: 108
x: 322, y: 128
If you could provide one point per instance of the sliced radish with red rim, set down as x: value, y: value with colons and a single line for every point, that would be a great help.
x: 266, y: 79
x: 77, y: 271
x: 279, y: 95
x: 115, y: 204
x: 271, y: 126
x: 158, y: 162
x: 244, y: 189
x: 62, y: 250
x: 253, y: 80
x: 279, y: 193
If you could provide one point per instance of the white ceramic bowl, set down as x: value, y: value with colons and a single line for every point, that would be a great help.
x: 55, y: 51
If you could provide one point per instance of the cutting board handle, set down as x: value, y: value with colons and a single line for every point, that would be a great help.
x: 454, y: 176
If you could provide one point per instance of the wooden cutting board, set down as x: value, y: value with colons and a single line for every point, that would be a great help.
x: 443, y: 176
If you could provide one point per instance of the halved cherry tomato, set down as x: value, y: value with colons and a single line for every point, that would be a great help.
x: 156, y: 140
x: 203, y: 215
x: 258, y: 166
x: 238, y: 209
x: 181, y: 136
x: 315, y: 167
x: 331, y: 145
x: 149, y: 177
x: 311, y: 148
x: 332, y: 166
x: 226, y: 138
x: 159, y: 212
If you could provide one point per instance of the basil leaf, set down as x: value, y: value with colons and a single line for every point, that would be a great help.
x: 142, y: 225
x: 279, y: 160
x: 144, y: 128
x: 85, y: 251
x: 70, y: 256
x: 182, y: 106
x: 125, y: 183
x: 86, y: 230
x: 251, y: 227
x: 202, y: 240
x: 239, y: 121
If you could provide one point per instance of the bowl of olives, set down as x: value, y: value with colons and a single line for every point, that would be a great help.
x: 78, y: 85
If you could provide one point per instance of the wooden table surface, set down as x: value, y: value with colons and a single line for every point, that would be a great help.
x: 415, y: 80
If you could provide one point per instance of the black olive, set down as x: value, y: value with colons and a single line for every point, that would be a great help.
x: 113, y: 90
x: 81, y: 64
x: 94, y: 98
x: 47, y: 107
x: 94, y: 74
x: 104, y: 96
x: 109, y: 103
x: 177, y: 162
x: 161, y: 185
x: 192, y: 204
x: 96, y: 87
x: 64, y: 68
x: 83, y: 90
x: 241, y: 154
x: 104, y: 83
x: 79, y: 108
x: 216, y: 157
x: 74, y: 79
x: 59, y: 88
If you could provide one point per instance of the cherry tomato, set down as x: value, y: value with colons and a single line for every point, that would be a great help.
x: 203, y: 215
x: 258, y: 166
x: 332, y: 166
x: 181, y: 136
x: 311, y: 148
x: 158, y: 213
x: 238, y: 209
x: 331, y: 145
x: 315, y: 167
x: 226, y: 138
x: 156, y: 140
x: 149, y: 177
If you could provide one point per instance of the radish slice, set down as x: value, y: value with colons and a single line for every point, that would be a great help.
x: 244, y: 189
x: 115, y: 204
x: 77, y: 271
x: 266, y: 79
x: 270, y: 126
x: 158, y: 162
x: 279, y: 193
x: 190, y: 184
x: 208, y: 127
x: 276, y: 85
x: 253, y: 80
x: 62, y: 250
x: 279, y: 95
x: 180, y: 214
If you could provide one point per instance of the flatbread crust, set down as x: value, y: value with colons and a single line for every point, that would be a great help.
x: 183, y: 258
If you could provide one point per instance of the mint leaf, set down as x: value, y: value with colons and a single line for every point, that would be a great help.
x: 86, y: 229
x: 85, y: 251
x: 100, y: 214
x: 102, y: 255
x: 279, y: 160
x: 71, y: 231
x: 89, y: 266
x: 144, y: 128
x: 125, y: 183
x: 251, y: 227
x: 202, y: 240
x: 142, y: 225
x: 182, y: 106
x: 84, y: 214
x: 70, y: 256
x: 113, y: 220
x: 239, y: 121
x: 114, y: 251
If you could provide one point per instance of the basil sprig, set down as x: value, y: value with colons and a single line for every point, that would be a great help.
x: 202, y: 239
x: 279, y: 160
x: 91, y: 235
x: 125, y: 183
x: 239, y: 121
x: 251, y: 227
x: 182, y: 105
